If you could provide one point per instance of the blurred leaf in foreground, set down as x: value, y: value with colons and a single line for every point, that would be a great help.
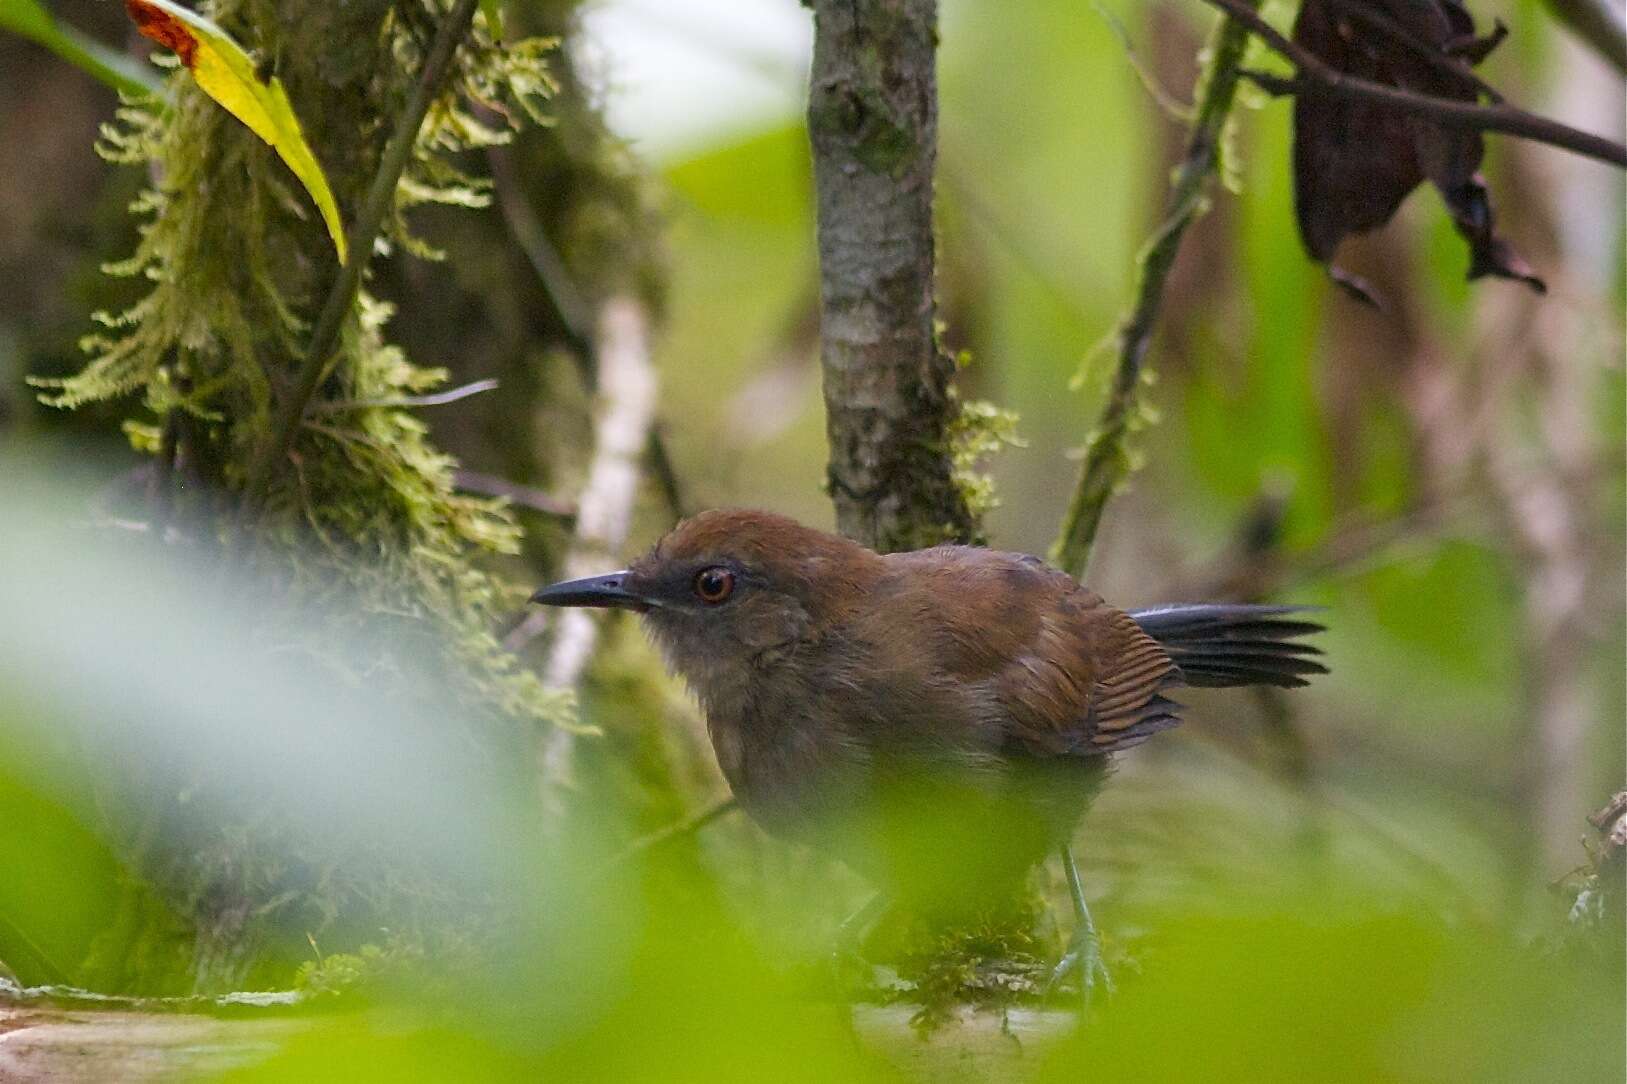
x: 32, y: 20
x: 1330, y: 992
x: 492, y: 12
x: 229, y: 75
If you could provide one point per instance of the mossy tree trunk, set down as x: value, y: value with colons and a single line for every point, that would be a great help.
x: 360, y: 516
x: 873, y: 120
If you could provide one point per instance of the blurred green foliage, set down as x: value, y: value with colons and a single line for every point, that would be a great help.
x: 1241, y: 953
x: 1383, y: 919
x: 33, y: 20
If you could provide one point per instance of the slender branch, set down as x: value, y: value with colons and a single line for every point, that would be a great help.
x: 669, y: 834
x: 665, y: 473
x: 574, y: 312
x: 1172, y: 106
x: 1107, y: 460
x: 342, y: 295
x: 1314, y: 76
x: 1348, y: 546
x: 39, y: 960
x: 570, y: 305
x: 1597, y: 22
x: 440, y: 398
x: 1045, y: 259
x: 489, y: 485
x: 1453, y: 67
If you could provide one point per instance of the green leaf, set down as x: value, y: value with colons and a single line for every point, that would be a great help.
x: 30, y: 19
x: 227, y: 73
x: 492, y: 11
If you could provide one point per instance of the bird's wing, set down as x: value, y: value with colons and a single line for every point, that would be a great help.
x: 1068, y: 673
x: 1088, y: 681
x: 1127, y: 704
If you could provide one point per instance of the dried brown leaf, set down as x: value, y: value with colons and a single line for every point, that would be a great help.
x: 1354, y: 161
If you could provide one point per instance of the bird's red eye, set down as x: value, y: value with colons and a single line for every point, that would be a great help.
x: 713, y: 585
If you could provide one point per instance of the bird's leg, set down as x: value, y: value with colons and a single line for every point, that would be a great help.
x: 851, y: 933
x: 1085, y: 947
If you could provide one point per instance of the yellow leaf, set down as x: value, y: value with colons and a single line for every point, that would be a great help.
x: 227, y: 74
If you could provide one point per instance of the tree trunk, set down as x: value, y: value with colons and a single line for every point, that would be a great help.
x: 872, y: 117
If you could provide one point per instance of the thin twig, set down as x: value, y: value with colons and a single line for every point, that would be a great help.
x: 342, y: 295
x: 489, y: 485
x: 1314, y: 76
x: 1042, y: 259
x: 1348, y: 546
x: 572, y: 307
x: 672, y: 832
x: 440, y: 398
x: 1453, y: 67
x: 1160, y: 95
x: 1372, y: 821
x: 1107, y: 461
x: 570, y: 304
x: 665, y: 474
x: 38, y: 958
x: 1597, y: 22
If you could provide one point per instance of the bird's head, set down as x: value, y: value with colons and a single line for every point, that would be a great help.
x: 731, y: 587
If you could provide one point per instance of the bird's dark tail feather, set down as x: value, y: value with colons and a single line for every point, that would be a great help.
x: 1230, y: 644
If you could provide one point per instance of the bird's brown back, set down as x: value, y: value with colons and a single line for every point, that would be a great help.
x: 1066, y: 673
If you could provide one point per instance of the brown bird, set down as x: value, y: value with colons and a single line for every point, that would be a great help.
x: 940, y: 719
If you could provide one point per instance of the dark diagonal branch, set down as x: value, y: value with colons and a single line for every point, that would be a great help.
x: 1597, y: 22
x: 1107, y: 459
x: 525, y: 496
x: 670, y: 834
x: 341, y: 297
x: 571, y: 306
x: 1453, y: 67
x: 1313, y: 76
x: 574, y: 310
x: 872, y: 120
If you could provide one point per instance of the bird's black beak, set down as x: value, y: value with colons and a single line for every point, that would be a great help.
x: 607, y: 591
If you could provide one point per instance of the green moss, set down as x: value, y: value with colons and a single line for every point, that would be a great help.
x: 977, y: 430
x: 372, y: 971
x: 146, y: 947
x: 885, y: 147
x: 994, y: 960
x: 363, y: 510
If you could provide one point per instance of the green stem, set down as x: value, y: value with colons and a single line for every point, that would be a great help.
x: 1107, y: 459
x: 341, y: 297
